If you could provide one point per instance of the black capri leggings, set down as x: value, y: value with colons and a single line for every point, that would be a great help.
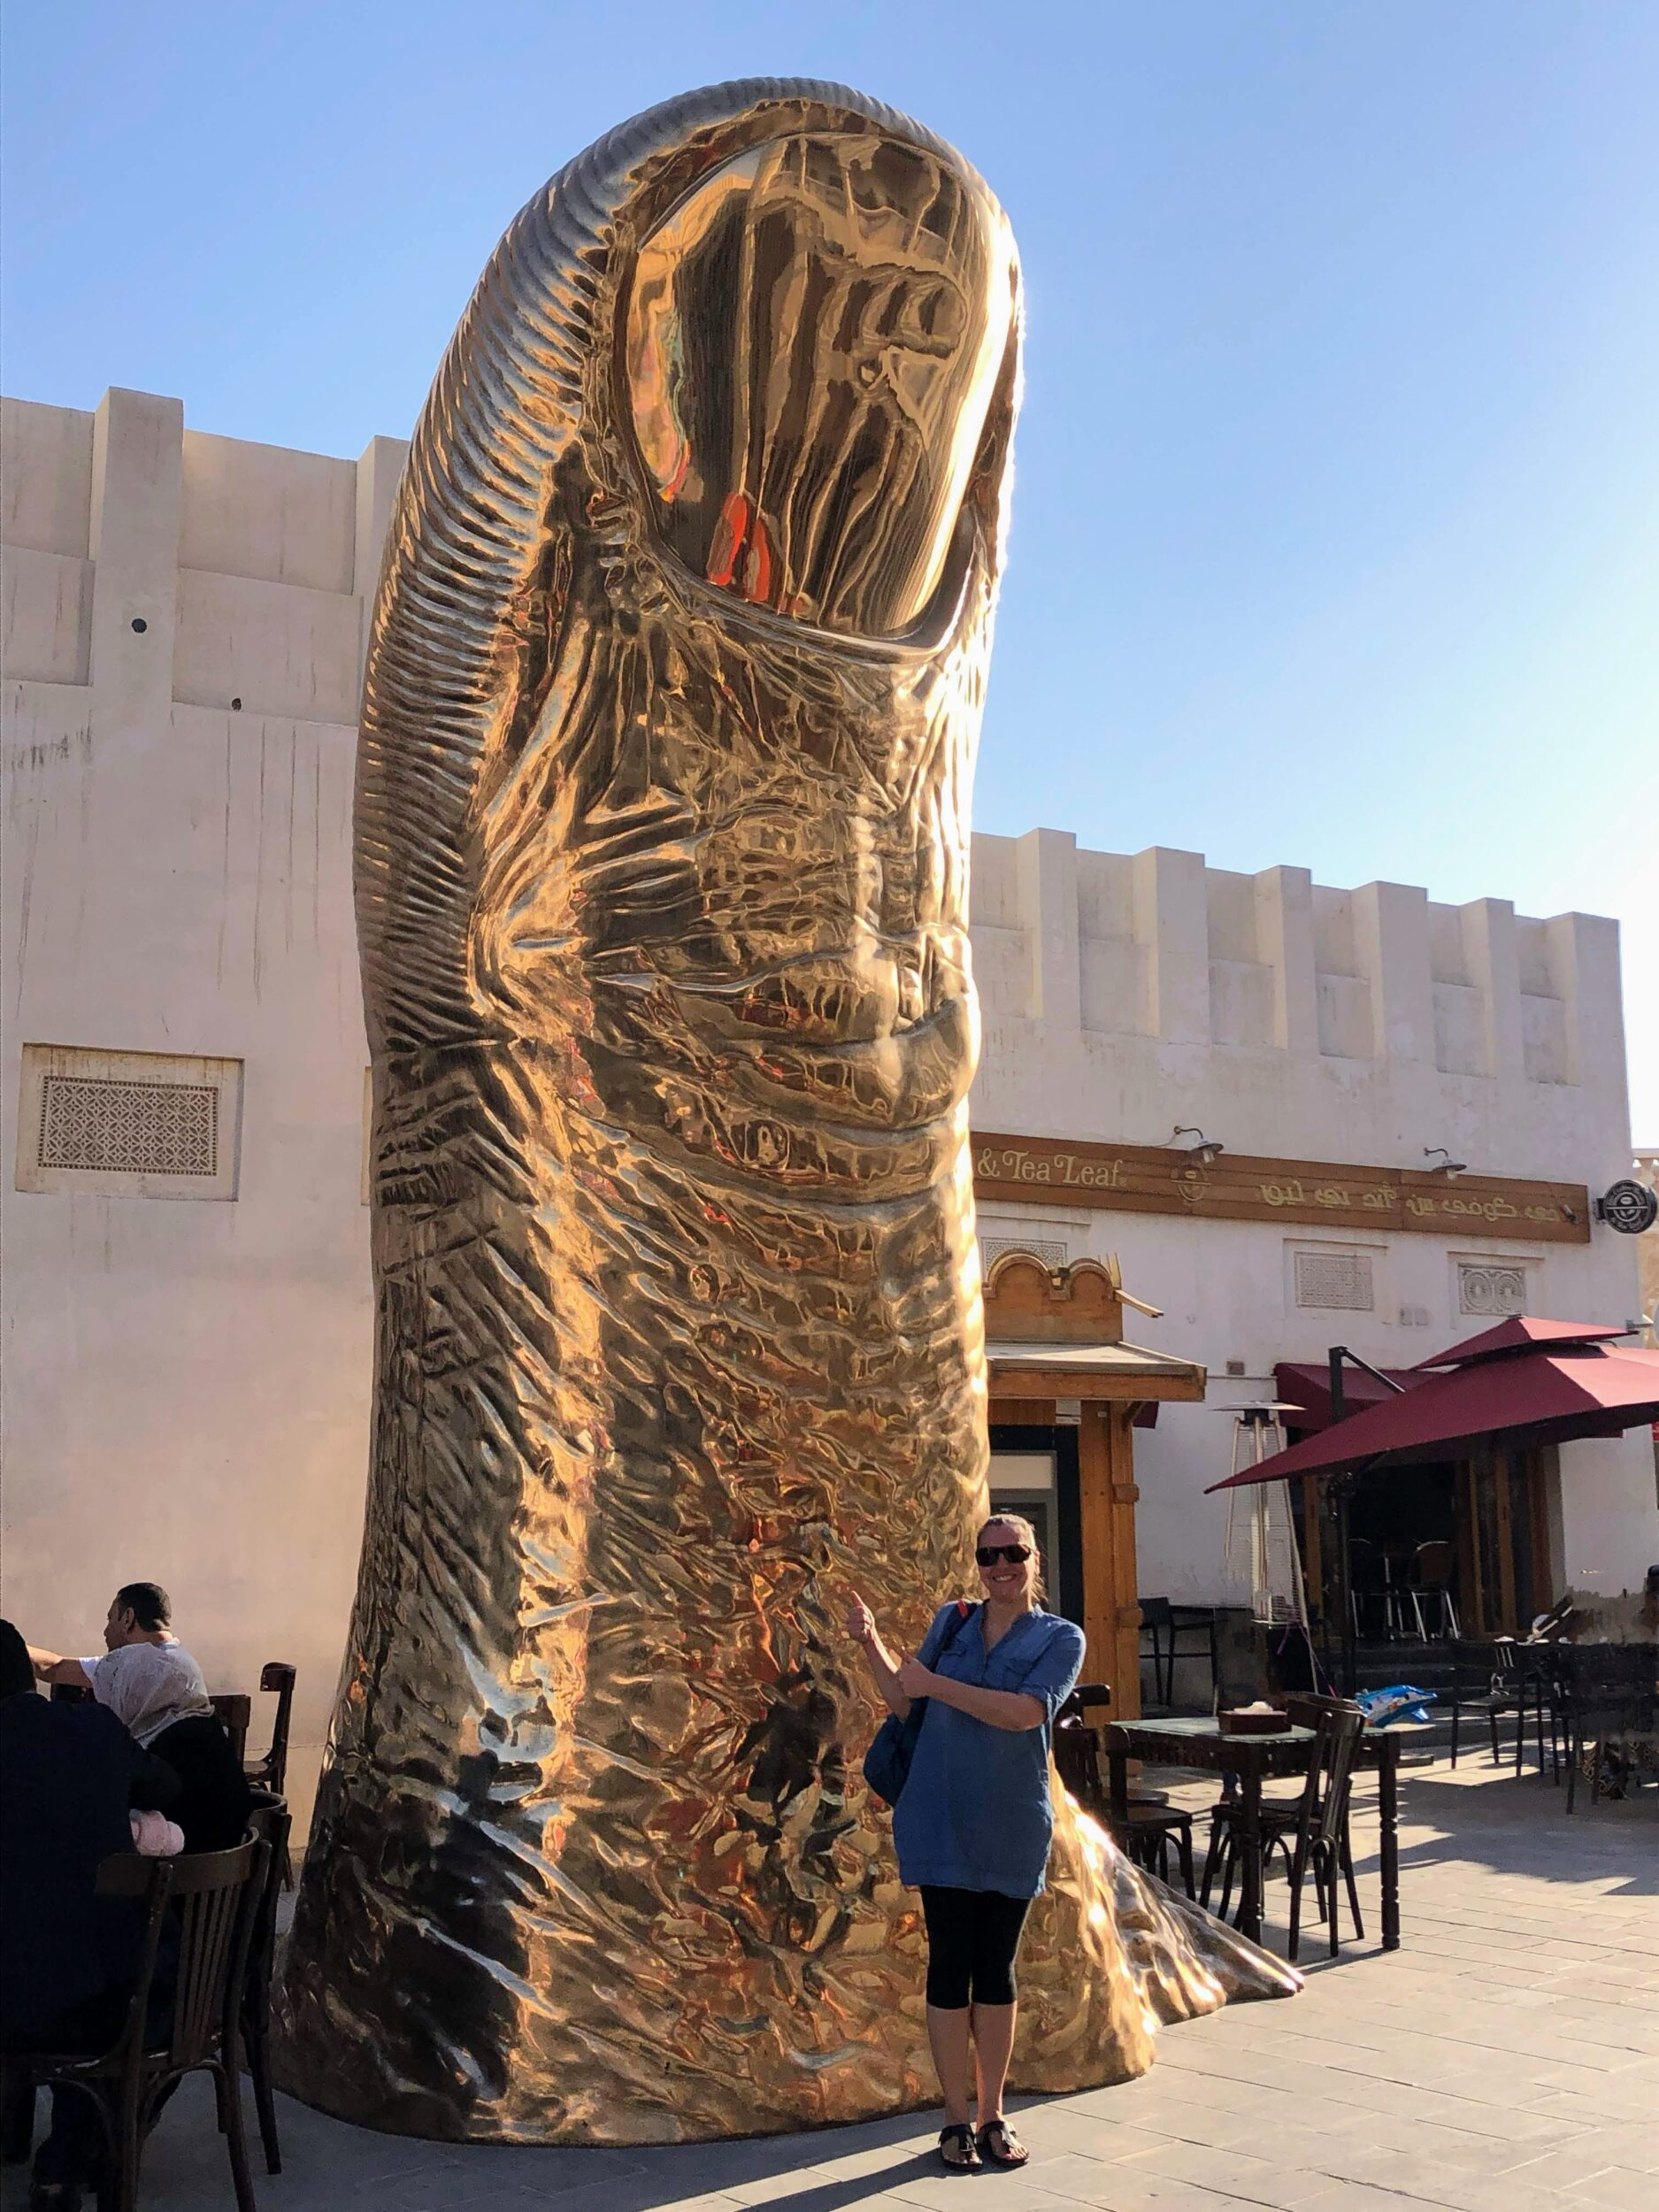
x: 973, y: 1935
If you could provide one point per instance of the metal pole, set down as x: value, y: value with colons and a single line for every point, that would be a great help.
x: 1344, y: 1483
x: 1350, y: 1656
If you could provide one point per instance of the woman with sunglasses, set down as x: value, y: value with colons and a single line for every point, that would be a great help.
x: 974, y: 1822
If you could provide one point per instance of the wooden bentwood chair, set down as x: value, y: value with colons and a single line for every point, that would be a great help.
x: 1155, y: 1827
x: 1310, y: 1832
x: 269, y: 1822
x: 215, y: 1897
x: 271, y: 1772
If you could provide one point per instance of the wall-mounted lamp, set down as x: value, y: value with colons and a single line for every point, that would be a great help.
x: 1205, y: 1150
x: 1441, y: 1163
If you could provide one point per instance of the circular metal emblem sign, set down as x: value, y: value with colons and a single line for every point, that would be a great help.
x: 1629, y: 1207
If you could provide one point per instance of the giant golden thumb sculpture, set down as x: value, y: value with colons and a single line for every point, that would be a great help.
x: 662, y: 854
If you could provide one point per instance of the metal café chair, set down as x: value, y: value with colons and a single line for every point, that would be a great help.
x: 1492, y: 1681
x: 1485, y: 1685
x: 215, y: 1898
x: 1607, y: 1694
x: 1166, y: 1624
x: 1431, y: 1589
x: 1370, y: 1586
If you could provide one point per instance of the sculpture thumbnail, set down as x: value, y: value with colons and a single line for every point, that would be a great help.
x: 662, y: 853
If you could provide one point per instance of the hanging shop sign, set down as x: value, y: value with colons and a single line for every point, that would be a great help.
x: 1629, y: 1207
x: 1233, y: 1186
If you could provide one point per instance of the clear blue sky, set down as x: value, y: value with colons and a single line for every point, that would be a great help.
x: 1335, y: 528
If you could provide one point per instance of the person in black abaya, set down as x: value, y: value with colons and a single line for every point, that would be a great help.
x: 68, y: 1957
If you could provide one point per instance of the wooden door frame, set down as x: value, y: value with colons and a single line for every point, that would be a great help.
x: 1105, y: 1535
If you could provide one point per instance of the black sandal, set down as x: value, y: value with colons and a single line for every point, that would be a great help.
x: 1008, y: 2152
x: 961, y: 2134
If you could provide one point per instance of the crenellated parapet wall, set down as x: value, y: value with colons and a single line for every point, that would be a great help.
x: 1262, y: 995
x: 249, y: 566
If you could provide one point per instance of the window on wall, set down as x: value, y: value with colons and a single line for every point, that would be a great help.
x: 1327, y: 1278
x: 141, y: 1125
x: 1491, y: 1289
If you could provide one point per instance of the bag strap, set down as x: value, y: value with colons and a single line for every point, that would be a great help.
x: 964, y: 1614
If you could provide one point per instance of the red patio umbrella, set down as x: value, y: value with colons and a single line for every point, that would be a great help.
x: 1528, y: 1379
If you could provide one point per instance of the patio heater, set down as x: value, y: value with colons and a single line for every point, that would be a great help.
x: 1261, y: 1546
x: 1260, y: 1536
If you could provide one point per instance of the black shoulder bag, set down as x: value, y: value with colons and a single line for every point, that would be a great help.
x: 888, y: 1761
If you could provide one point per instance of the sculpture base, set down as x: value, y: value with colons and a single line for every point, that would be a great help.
x: 1181, y: 1964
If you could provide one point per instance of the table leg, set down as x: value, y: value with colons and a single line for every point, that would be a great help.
x: 1250, y: 1869
x: 1388, y: 1806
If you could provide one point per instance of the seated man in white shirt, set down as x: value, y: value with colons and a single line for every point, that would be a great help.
x: 145, y: 1676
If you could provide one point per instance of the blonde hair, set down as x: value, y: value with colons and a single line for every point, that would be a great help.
x: 1028, y: 1534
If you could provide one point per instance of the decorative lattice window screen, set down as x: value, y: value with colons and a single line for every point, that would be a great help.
x: 147, y: 1125
x: 1490, y: 1292
x: 1049, y: 1250
x: 90, y: 1123
x: 1335, y: 1281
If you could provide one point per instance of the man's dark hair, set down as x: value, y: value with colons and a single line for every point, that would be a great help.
x: 17, y: 1671
x: 148, y: 1601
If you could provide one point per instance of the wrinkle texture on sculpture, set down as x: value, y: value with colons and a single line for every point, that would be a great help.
x: 662, y: 846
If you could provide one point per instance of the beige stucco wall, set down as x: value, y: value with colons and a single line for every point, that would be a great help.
x: 187, y: 1382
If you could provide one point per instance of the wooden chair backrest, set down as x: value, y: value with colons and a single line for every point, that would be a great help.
x: 233, y: 1708
x: 1337, y: 1729
x: 271, y: 1770
x: 215, y: 1896
x: 1082, y: 1697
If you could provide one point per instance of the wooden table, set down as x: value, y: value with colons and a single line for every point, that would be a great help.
x: 1200, y: 1743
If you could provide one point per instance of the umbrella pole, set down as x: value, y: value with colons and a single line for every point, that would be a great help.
x: 1350, y: 1654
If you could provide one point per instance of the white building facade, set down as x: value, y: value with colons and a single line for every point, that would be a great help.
x: 188, y: 1318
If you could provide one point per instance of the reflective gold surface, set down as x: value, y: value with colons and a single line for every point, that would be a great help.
x: 662, y: 877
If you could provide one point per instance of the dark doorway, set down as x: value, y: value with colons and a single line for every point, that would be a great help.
x: 1035, y: 1473
x: 1403, y: 1539
x: 1473, y: 1529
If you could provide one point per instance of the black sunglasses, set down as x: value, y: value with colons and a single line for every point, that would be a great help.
x: 1015, y: 1555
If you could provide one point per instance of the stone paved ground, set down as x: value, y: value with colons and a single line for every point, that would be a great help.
x: 1505, y: 2060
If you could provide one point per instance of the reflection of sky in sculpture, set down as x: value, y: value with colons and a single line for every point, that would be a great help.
x: 662, y: 907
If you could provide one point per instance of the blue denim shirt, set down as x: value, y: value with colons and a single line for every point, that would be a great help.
x: 975, y: 1812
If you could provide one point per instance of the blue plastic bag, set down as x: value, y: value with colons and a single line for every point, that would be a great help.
x: 1399, y: 1701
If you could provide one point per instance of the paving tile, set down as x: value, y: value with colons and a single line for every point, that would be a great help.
x: 1059, y: 2135
x: 941, y: 2191
x: 1356, y: 2196
x: 617, y: 2194
x: 1235, y: 2173
x: 1617, y: 2189
x: 1079, y: 2180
